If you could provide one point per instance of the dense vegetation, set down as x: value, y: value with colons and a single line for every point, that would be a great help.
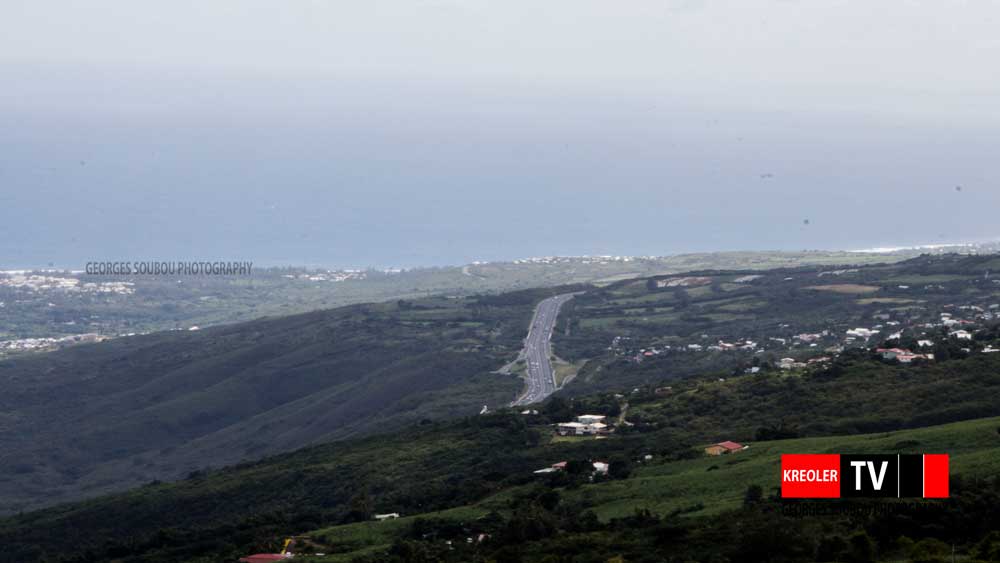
x: 93, y: 419
x: 856, y: 394
x: 104, y: 417
x: 133, y: 411
x: 543, y: 526
x: 474, y: 476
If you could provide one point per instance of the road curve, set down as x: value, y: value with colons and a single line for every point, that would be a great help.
x: 540, y: 379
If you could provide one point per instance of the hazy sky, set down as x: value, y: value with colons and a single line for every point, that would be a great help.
x: 430, y: 132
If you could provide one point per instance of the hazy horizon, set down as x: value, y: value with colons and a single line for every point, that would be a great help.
x: 441, y: 132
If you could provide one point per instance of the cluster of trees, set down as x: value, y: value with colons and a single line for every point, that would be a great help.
x: 220, y: 515
x: 854, y: 394
x: 542, y: 527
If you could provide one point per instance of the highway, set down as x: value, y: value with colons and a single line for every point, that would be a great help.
x: 540, y: 379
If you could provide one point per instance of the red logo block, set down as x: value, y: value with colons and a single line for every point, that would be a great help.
x: 935, y: 475
x: 810, y: 476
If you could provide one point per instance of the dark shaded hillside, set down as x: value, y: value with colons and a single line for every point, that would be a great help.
x: 109, y: 416
x: 217, y: 515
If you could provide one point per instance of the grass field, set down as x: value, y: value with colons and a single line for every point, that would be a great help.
x: 704, y: 485
x: 918, y: 279
x: 564, y: 370
x: 888, y: 300
x: 847, y: 288
x: 718, y: 483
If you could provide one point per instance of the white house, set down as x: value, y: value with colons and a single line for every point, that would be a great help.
x: 862, y: 333
x: 961, y: 334
x: 582, y: 428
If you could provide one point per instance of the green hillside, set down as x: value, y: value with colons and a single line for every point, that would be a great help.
x: 681, y: 319
x: 693, y: 489
x: 483, y: 466
x: 131, y: 412
x: 98, y: 418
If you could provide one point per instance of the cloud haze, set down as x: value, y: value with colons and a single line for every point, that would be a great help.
x: 444, y: 131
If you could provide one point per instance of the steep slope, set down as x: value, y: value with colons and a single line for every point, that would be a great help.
x: 442, y: 465
x: 109, y: 416
x: 98, y: 418
x: 692, y: 493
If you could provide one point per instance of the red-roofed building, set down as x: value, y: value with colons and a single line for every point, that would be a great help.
x: 902, y: 355
x: 892, y: 353
x: 726, y: 447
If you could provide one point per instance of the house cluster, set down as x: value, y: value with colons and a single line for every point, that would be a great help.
x: 721, y: 346
x: 724, y: 346
x: 585, y: 424
x: 328, y: 276
x: 811, y: 338
x: 866, y: 333
x: 42, y: 282
x: 38, y: 344
x: 903, y: 355
x: 600, y: 260
x: 792, y: 363
x: 960, y: 320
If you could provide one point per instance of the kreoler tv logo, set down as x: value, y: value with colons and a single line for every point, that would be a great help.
x: 864, y: 476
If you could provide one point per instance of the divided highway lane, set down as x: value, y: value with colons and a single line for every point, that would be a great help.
x: 540, y: 379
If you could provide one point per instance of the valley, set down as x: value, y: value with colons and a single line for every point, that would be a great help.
x: 311, y: 424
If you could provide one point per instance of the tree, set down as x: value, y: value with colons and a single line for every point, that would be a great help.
x: 862, y: 548
x: 989, y: 548
x: 682, y: 298
x: 412, y: 552
x: 753, y: 495
x: 578, y: 467
x: 930, y: 550
x: 831, y: 548
x: 771, y: 537
x: 619, y: 468
x: 557, y: 409
x: 549, y: 500
x: 360, y: 507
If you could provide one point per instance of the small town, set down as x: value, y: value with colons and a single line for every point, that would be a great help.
x: 920, y: 328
